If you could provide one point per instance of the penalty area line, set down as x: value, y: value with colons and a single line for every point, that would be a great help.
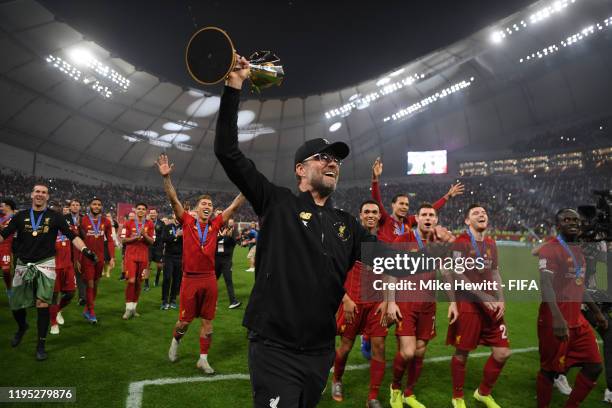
x: 136, y: 389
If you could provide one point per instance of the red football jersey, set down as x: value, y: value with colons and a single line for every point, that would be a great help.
x: 389, y: 228
x: 137, y: 250
x: 63, y: 252
x: 198, y: 258
x: 95, y: 241
x: 6, y: 247
x: 421, y: 299
x: 556, y: 260
x: 462, y: 247
x: 358, y: 284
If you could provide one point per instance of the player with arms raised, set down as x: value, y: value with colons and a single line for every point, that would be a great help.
x: 480, y: 318
x: 565, y: 337
x: 198, y: 295
x: 399, y: 222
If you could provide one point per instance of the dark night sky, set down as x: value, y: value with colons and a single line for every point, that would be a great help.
x: 323, y: 45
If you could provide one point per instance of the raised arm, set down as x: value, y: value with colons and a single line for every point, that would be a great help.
x: 165, y: 168
x: 233, y: 207
x: 240, y: 170
x: 377, y: 169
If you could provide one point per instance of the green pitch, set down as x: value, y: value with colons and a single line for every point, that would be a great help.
x: 101, y: 361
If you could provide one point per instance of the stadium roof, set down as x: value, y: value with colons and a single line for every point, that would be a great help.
x: 544, y: 66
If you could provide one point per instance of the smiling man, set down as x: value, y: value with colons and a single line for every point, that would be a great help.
x: 198, y: 295
x: 34, y: 278
x: 306, y: 247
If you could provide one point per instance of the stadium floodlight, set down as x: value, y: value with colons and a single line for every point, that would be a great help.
x: 387, y: 87
x: 99, y: 77
x: 415, y: 107
x: 335, y: 126
x: 397, y: 72
x: 149, y: 134
x: 160, y: 143
x: 383, y: 81
x: 569, y: 40
x: 179, y: 125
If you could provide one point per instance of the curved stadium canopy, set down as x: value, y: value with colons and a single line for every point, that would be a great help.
x: 481, y: 93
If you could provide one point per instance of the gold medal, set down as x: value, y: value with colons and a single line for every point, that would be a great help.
x: 579, y: 281
x: 63, y: 243
x: 34, y: 233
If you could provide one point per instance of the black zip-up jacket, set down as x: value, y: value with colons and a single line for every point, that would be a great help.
x: 303, y: 250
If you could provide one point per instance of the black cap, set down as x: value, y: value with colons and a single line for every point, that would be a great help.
x: 313, y: 146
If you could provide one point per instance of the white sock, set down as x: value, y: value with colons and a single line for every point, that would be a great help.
x: 204, y: 357
x: 175, y: 341
x: 134, y: 306
x: 128, y: 306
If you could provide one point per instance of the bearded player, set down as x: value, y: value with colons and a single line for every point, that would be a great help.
x: 361, y: 313
x: 7, y: 210
x: 94, y: 228
x: 198, y: 295
x: 565, y: 337
x: 480, y: 318
x: 399, y: 222
x: 415, y: 315
x: 137, y: 235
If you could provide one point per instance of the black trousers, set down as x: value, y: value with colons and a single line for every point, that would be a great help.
x: 223, y: 266
x: 172, y: 278
x: 284, y: 378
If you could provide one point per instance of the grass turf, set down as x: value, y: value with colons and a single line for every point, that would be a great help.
x: 101, y: 361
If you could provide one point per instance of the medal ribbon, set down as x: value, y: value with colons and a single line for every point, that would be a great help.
x: 96, y: 227
x: 202, y: 236
x: 418, y: 238
x: 397, y: 229
x: 36, y: 225
x: 139, y: 226
x: 577, y: 267
x: 475, y: 244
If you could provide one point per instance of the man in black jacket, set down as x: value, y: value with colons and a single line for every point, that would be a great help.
x: 172, y: 241
x: 305, y: 248
x: 226, y: 241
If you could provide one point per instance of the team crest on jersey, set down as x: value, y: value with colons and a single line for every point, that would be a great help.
x: 457, y: 340
x: 305, y: 217
x: 561, y: 361
x: 341, y: 231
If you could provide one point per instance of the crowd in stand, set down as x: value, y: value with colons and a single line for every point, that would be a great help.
x: 515, y: 203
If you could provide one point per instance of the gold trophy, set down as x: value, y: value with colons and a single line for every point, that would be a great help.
x: 210, y: 56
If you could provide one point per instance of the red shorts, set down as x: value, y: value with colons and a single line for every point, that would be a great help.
x: 474, y: 329
x: 91, y: 271
x: 418, y: 320
x: 366, y: 322
x: 134, y: 269
x: 6, y: 261
x: 64, y: 280
x: 559, y: 356
x: 198, y: 298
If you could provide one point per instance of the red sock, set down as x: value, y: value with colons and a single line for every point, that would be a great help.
x: 377, y: 372
x: 544, y: 389
x: 492, y: 369
x: 65, y: 301
x: 582, y: 386
x: 129, y: 292
x: 53, y: 309
x: 339, y: 364
x: 414, y: 372
x: 205, y: 343
x: 6, y: 275
x: 137, y: 287
x: 399, y: 366
x: 89, y: 295
x: 458, y: 374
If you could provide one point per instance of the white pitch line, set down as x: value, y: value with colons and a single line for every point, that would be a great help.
x: 136, y: 389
